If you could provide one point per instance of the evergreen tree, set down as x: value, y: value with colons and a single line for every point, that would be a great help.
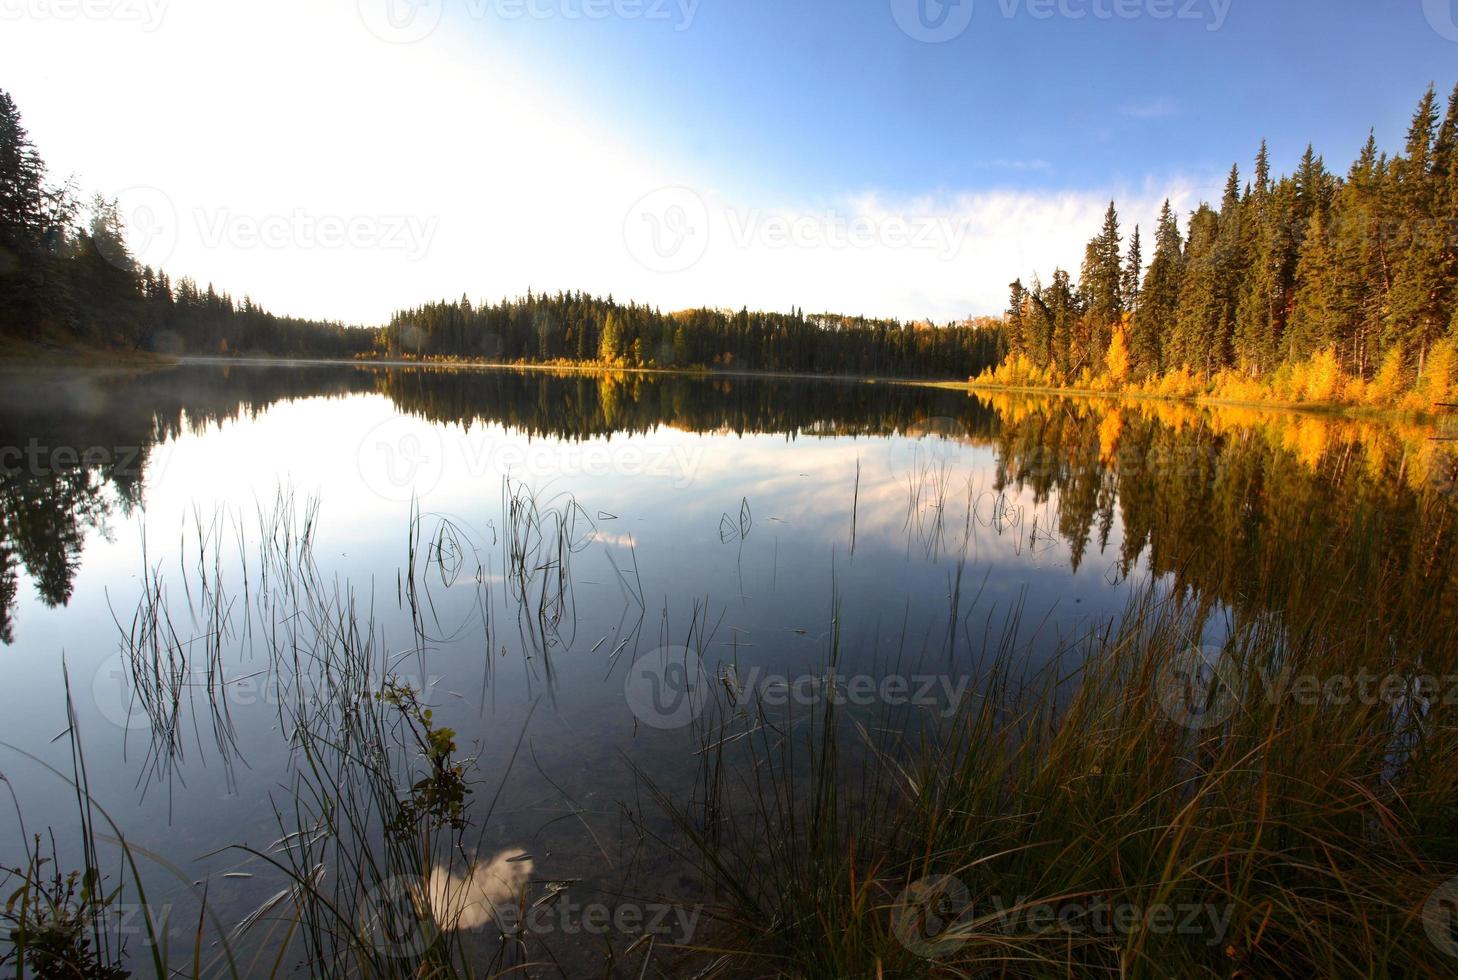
x: 1160, y: 298
x: 1100, y: 284
x: 23, y: 226
x: 1415, y: 320
x: 1318, y: 295
x: 1133, y: 270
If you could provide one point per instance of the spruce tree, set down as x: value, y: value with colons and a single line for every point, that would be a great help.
x: 1160, y: 298
x: 1414, y: 317
x: 1133, y: 270
x: 23, y: 224
x: 1199, y: 307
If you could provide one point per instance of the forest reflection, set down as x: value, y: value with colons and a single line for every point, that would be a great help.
x: 1256, y: 510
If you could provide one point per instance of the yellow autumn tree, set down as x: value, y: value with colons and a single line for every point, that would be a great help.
x: 1118, y: 356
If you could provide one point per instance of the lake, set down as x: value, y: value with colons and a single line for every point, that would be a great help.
x: 565, y: 567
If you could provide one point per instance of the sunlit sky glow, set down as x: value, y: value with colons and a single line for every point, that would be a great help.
x: 345, y: 159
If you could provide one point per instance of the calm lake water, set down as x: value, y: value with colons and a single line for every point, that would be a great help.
x: 516, y: 542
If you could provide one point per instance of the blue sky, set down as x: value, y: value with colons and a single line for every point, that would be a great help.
x: 348, y: 158
x: 805, y: 95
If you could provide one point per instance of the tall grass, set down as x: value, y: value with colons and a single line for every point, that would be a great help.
x: 1297, y: 837
x: 1108, y: 813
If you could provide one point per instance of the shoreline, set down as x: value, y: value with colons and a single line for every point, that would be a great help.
x: 1327, y: 409
x: 29, y: 355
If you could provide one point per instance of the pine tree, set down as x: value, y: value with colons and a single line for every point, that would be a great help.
x: 1414, y: 320
x: 1133, y: 270
x: 1100, y: 285
x: 1017, y: 303
x: 1160, y: 298
x: 1318, y: 295
x: 1231, y: 263
x: 23, y: 225
x: 1199, y: 308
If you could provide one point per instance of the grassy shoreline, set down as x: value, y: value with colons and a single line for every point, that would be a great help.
x: 1328, y: 409
x: 14, y: 353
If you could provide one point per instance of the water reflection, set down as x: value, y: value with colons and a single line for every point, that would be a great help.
x: 277, y: 543
x: 1236, y: 504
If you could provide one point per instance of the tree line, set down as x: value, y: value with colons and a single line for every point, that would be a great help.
x: 1309, y: 285
x: 579, y: 328
x: 66, y: 274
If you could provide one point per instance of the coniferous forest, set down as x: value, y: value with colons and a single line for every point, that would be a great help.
x: 1306, y: 287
